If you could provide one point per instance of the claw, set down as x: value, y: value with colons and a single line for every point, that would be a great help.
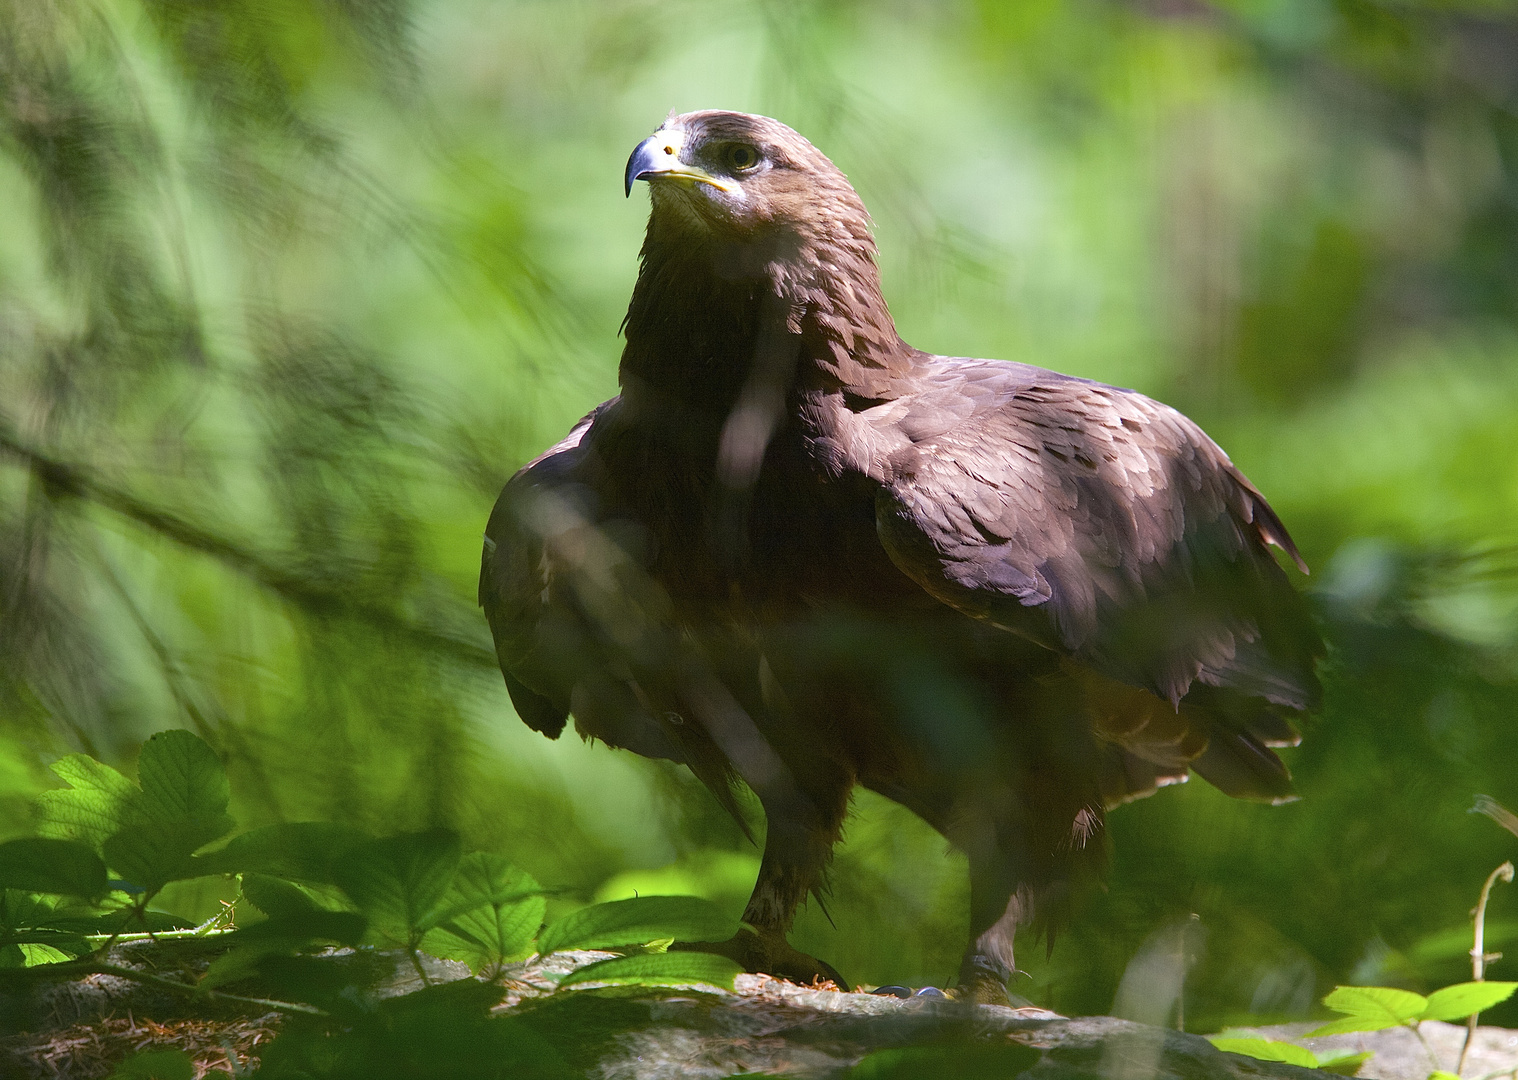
x: 769, y: 954
x: 927, y: 992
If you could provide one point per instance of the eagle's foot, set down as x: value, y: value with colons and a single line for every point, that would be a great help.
x: 769, y: 954
x: 981, y: 983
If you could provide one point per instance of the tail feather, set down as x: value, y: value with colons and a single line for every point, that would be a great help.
x: 1238, y: 764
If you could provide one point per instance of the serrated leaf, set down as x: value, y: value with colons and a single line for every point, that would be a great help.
x: 276, y: 897
x: 659, y: 969
x: 18, y: 908
x: 59, y: 940
x: 284, y: 935
x: 1462, y: 999
x: 1370, y: 1008
x: 296, y: 851
x: 149, y: 855
x: 956, y: 1059
x: 636, y: 921
x: 1267, y: 1050
x: 490, y: 914
x: 156, y: 1065
x: 35, y: 954
x: 94, y: 806
x: 399, y: 882
x: 181, y: 778
x: 49, y: 865
x: 1347, y: 1064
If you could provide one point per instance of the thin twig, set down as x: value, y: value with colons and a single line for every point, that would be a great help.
x: 74, y: 480
x: 1429, y: 1050
x: 1479, y: 955
x: 91, y: 967
x: 1493, y: 809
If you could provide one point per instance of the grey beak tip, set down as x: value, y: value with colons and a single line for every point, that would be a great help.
x: 638, y: 165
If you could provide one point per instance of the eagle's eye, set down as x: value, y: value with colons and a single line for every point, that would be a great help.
x: 740, y: 157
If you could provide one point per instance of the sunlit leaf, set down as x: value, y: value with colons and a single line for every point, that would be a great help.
x: 181, y: 779
x: 93, y: 806
x: 639, y: 920
x: 47, y: 865
x: 1461, y: 1000
x: 1370, y: 1008
x: 1344, y: 1064
x: 1267, y: 1050
x: 36, y: 954
x: 659, y: 969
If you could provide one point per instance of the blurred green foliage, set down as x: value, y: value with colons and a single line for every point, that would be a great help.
x: 288, y: 289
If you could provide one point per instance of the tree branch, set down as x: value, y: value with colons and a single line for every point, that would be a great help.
x: 320, y: 599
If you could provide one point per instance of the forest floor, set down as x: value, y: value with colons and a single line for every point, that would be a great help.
x: 85, y: 1029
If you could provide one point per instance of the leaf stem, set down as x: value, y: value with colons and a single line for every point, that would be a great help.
x: 1433, y: 1058
x: 1479, y: 955
x: 91, y: 967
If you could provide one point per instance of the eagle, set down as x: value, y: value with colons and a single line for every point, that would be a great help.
x: 799, y: 554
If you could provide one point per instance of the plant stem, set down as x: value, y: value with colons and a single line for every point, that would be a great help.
x: 162, y: 935
x: 1479, y: 955
x: 1429, y: 1050
x: 91, y: 967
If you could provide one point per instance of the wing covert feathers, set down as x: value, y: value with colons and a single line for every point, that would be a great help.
x: 1099, y: 523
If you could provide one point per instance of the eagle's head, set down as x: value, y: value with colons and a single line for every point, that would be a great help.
x: 742, y: 177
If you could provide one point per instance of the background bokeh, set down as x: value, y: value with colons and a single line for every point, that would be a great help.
x: 288, y: 288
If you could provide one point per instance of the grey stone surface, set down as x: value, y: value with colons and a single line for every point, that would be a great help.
x: 783, y: 1030
x: 1401, y: 1056
x: 771, y: 1027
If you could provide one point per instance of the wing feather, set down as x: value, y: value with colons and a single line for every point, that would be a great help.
x: 1102, y: 524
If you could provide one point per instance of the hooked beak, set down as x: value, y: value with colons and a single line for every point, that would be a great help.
x: 658, y: 157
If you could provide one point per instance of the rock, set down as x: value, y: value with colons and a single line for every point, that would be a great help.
x: 763, y: 1026
x: 1401, y: 1056
x: 779, y: 1029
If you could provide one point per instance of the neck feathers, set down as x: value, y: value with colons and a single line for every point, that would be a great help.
x: 803, y: 306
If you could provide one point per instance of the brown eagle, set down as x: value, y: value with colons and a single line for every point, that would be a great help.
x: 800, y: 553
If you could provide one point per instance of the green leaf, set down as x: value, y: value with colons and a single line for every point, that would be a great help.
x: 958, y: 1059
x: 181, y: 779
x: 275, y: 897
x: 283, y: 935
x: 490, y: 914
x: 1267, y: 1050
x: 296, y: 851
x: 36, y: 954
x: 1440, y: 1074
x: 94, y: 806
x: 156, y: 1065
x: 150, y: 855
x: 19, y: 908
x: 57, y: 940
x: 1461, y: 1000
x: 47, y: 865
x: 1344, y: 1064
x: 659, y: 969
x: 399, y: 882
x: 1370, y: 1008
x: 636, y: 921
